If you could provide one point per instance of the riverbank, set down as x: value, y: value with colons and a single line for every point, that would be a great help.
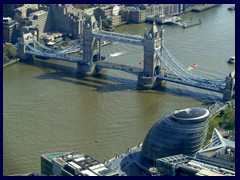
x: 223, y: 118
x: 11, y: 62
x: 200, y: 8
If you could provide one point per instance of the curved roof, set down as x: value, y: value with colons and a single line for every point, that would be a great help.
x: 188, y: 114
x: 180, y: 132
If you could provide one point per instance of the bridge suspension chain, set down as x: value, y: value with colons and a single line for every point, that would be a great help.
x: 171, y: 68
x: 44, y: 47
x: 180, y: 66
x: 70, y: 48
x: 33, y: 49
x: 196, y: 77
x: 186, y: 79
x: 64, y: 51
x: 46, y: 54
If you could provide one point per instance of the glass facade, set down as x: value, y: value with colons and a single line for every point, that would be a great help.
x: 180, y: 132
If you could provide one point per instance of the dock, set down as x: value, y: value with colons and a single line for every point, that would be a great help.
x: 185, y: 25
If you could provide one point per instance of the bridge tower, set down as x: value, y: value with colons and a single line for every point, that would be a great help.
x: 91, y: 49
x: 230, y: 87
x: 21, y: 50
x: 151, y: 68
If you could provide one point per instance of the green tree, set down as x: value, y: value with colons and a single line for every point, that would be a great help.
x: 5, y: 58
x: 212, y: 124
x: 229, y: 120
x: 9, y: 50
x: 222, y: 112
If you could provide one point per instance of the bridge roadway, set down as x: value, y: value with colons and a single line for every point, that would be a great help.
x: 172, y: 78
x: 117, y: 37
x: 122, y: 67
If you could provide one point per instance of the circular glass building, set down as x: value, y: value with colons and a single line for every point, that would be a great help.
x: 180, y: 132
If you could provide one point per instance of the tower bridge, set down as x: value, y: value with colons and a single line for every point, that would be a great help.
x: 156, y: 68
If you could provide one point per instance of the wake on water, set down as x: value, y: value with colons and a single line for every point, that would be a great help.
x: 115, y: 54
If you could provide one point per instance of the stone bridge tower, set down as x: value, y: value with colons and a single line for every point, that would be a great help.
x: 230, y: 87
x: 22, y: 41
x: 152, y: 40
x: 91, y: 49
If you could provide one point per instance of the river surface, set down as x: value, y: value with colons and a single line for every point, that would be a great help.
x: 47, y: 110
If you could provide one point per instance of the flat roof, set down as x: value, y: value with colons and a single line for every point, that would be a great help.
x: 97, y: 166
x: 89, y: 173
x: 207, y: 172
x: 75, y: 165
x: 79, y: 159
x: 52, y: 156
x: 37, y: 13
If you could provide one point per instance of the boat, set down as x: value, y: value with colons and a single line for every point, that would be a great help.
x: 231, y: 60
x: 185, y: 25
x: 141, y: 62
x: 231, y: 8
x: 194, y: 65
x: 104, y: 43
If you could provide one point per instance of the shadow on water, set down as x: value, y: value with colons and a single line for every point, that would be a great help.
x: 102, y: 83
x: 190, y: 93
x: 108, y: 83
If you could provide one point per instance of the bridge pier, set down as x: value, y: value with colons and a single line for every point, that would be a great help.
x: 152, y: 41
x: 145, y: 82
x: 230, y: 86
x: 86, y: 70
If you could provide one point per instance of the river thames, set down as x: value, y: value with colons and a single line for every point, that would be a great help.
x: 47, y: 110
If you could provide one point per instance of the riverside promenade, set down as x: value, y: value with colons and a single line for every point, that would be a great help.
x: 13, y: 61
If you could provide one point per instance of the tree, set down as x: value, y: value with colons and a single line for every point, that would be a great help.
x: 222, y: 112
x: 5, y: 58
x: 9, y: 50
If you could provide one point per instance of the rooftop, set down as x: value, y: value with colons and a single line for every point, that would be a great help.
x: 38, y: 13
x: 79, y: 164
x: 24, y: 7
x: 190, y: 114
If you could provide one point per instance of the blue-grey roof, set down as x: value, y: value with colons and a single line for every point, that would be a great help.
x: 169, y: 136
x: 191, y: 114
